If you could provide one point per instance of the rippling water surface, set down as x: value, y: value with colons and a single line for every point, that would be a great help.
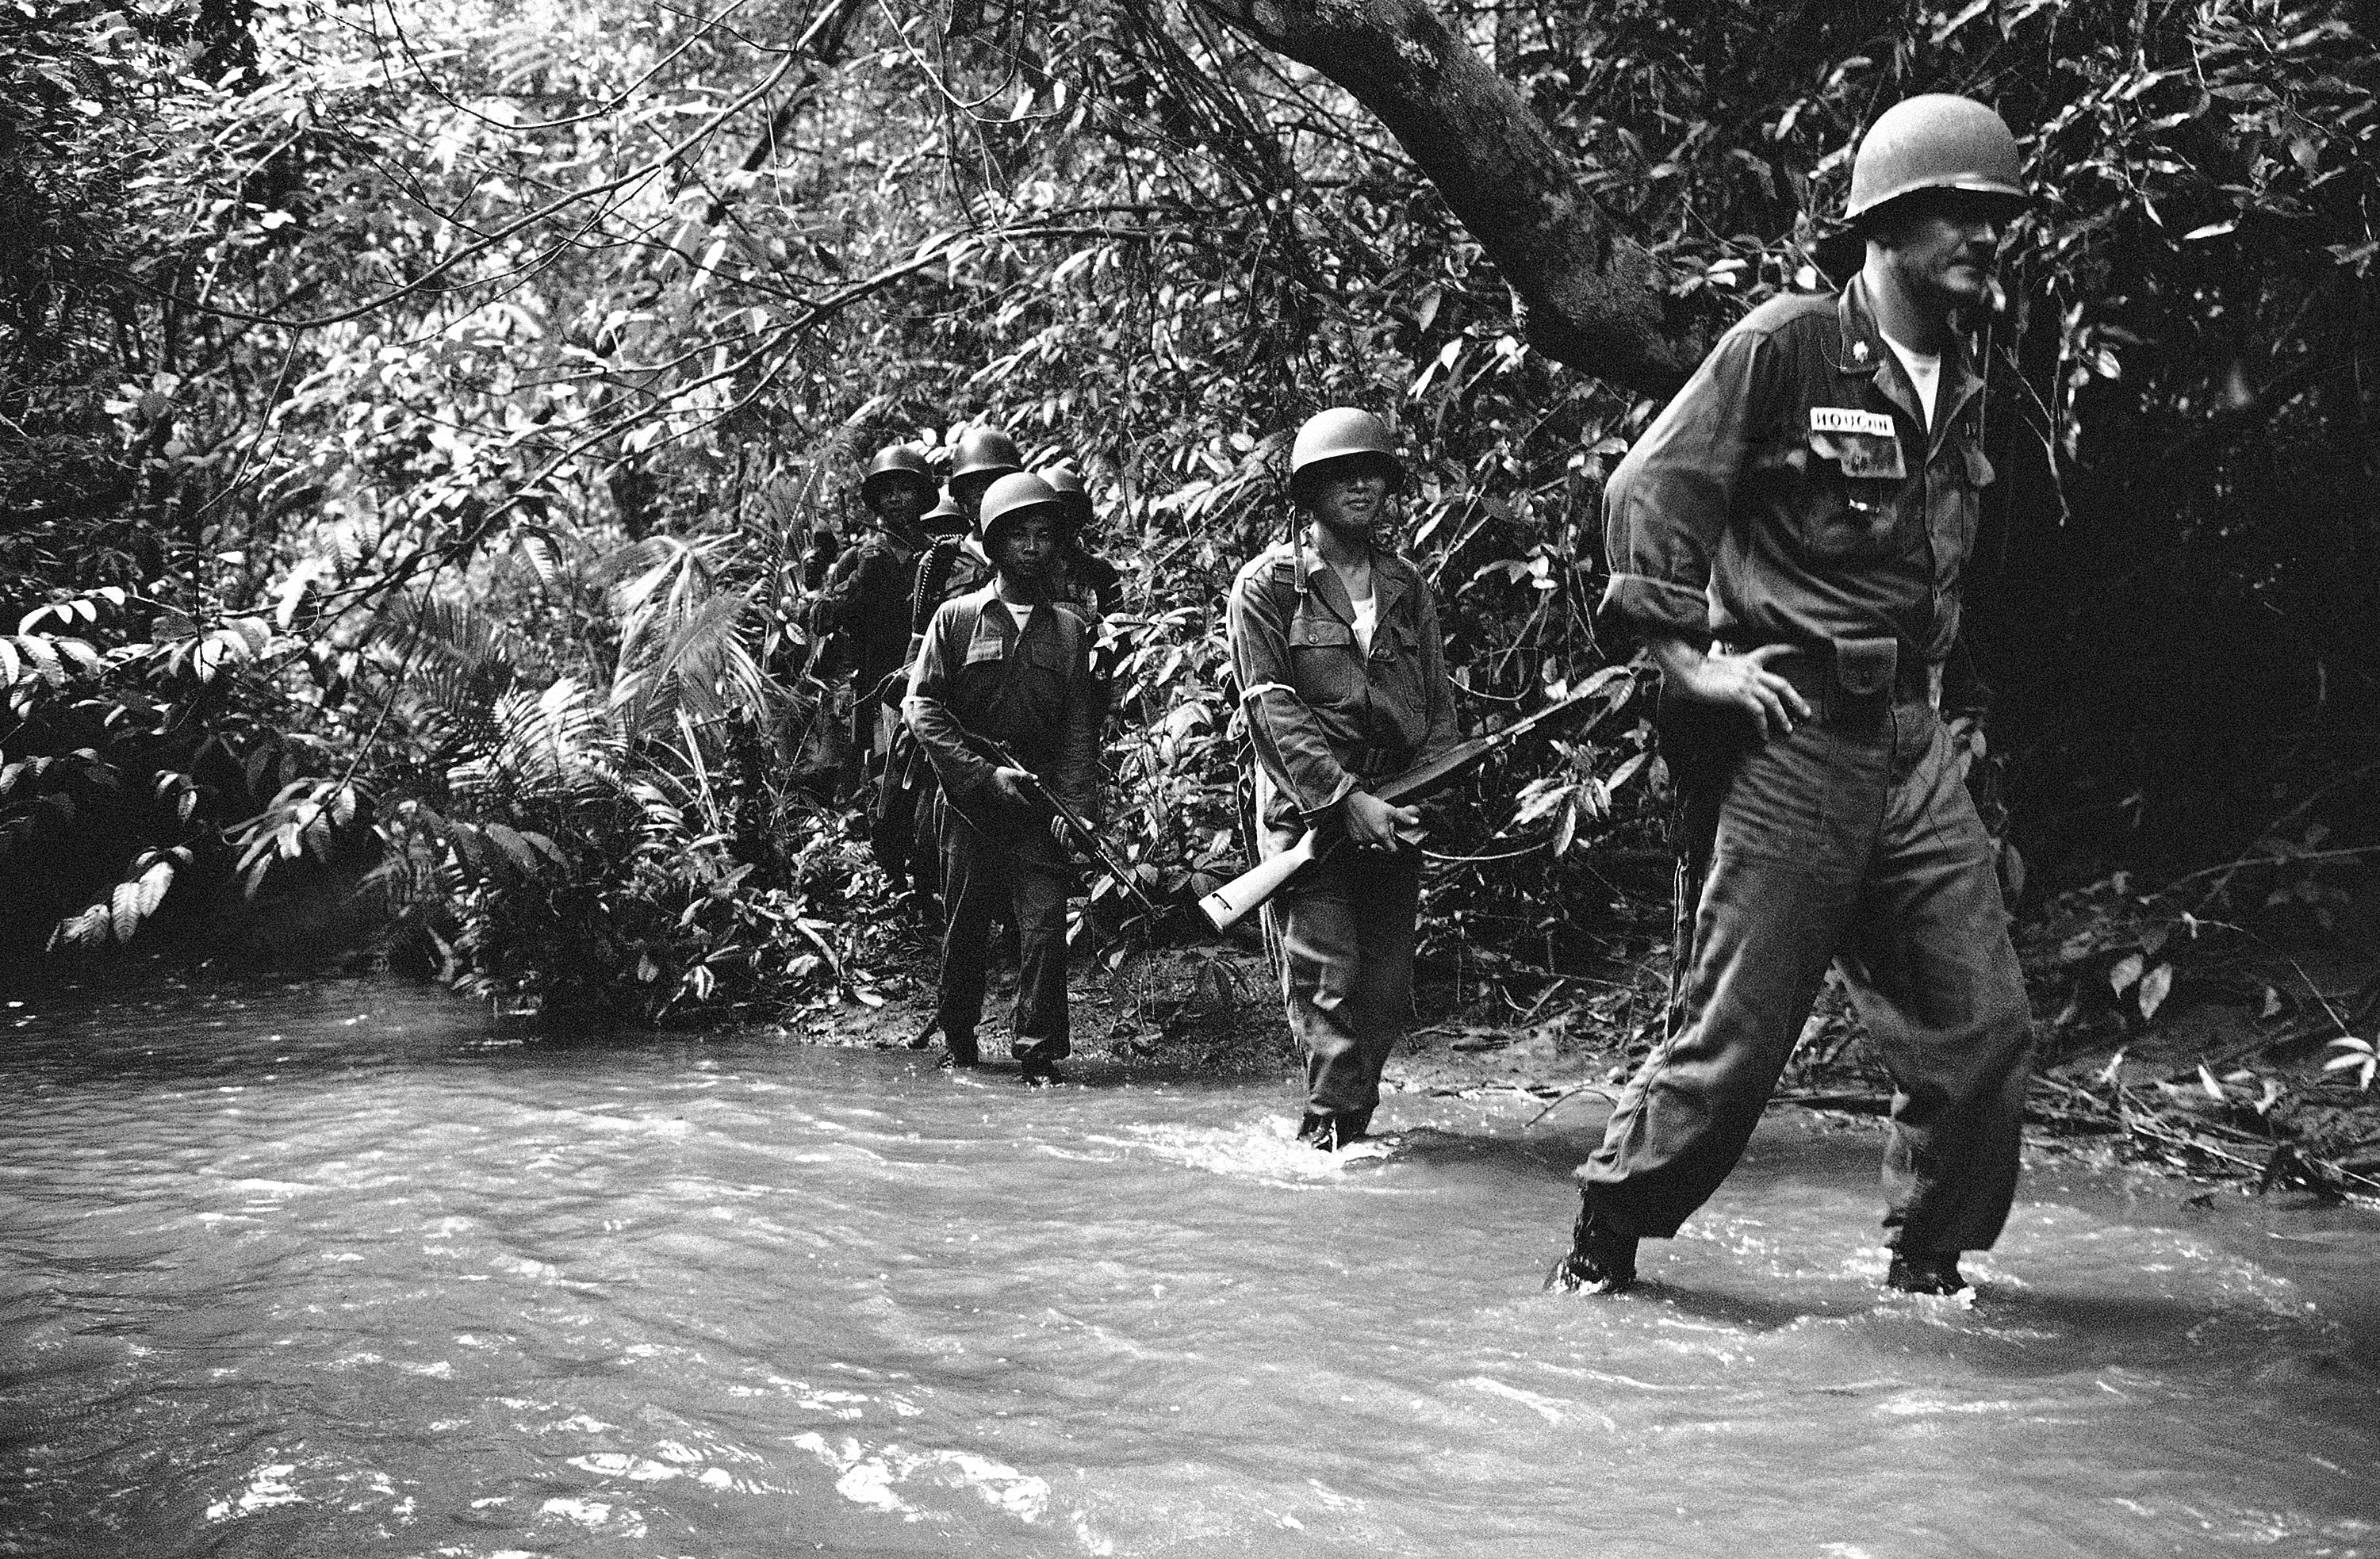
x: 339, y: 1270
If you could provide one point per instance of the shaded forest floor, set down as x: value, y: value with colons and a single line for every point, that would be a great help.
x: 2223, y: 1081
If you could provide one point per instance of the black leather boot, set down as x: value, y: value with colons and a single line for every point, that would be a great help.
x: 1322, y: 1129
x: 1923, y: 1271
x: 1601, y: 1261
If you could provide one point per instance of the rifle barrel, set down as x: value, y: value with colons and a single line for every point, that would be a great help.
x: 1232, y: 902
x: 1083, y: 834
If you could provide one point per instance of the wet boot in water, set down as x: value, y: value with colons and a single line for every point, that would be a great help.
x: 1601, y: 1260
x: 962, y: 1054
x: 1330, y: 1131
x: 1923, y: 1271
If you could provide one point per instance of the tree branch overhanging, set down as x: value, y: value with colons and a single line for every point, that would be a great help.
x: 1591, y: 297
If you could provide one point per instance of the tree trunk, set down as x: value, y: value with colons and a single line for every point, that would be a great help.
x: 1591, y: 298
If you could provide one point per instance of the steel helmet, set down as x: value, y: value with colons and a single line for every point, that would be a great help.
x: 1935, y: 141
x: 945, y: 518
x: 1013, y: 497
x: 985, y: 452
x: 1071, y: 492
x: 896, y: 463
x: 1342, y: 433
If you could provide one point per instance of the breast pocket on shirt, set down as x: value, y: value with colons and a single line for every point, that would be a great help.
x: 1046, y: 654
x: 1973, y: 474
x: 1844, y: 477
x: 1325, y: 663
x: 1396, y: 655
x: 987, y: 646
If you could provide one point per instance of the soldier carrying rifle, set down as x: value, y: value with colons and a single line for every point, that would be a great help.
x: 1002, y: 702
x: 1334, y: 638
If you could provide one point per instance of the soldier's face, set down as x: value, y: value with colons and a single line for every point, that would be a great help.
x: 967, y: 493
x: 1945, y: 247
x: 1028, y: 546
x: 1352, y: 501
x: 898, y: 504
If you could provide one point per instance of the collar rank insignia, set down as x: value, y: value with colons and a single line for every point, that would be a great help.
x: 1859, y: 351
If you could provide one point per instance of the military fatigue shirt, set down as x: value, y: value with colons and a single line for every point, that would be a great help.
x: 1793, y: 494
x: 1029, y: 690
x: 1324, y: 718
x: 866, y: 599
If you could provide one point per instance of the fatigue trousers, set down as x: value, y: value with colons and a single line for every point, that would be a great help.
x: 1855, y: 841
x: 981, y: 879
x: 1345, y: 930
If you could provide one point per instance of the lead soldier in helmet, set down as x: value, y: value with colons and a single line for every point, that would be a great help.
x: 866, y: 598
x: 1790, y: 535
x: 1008, y: 664
x: 1334, y: 638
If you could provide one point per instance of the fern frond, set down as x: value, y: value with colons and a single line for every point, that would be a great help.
x: 551, y: 747
x: 701, y: 666
x: 633, y: 572
x: 459, y: 662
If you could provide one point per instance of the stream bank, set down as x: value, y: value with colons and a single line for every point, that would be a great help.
x: 2223, y: 1081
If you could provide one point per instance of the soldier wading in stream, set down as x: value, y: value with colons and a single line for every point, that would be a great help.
x: 1334, y: 638
x: 1008, y: 664
x: 1790, y: 535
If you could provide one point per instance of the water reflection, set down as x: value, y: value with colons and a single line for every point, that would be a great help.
x: 344, y: 1269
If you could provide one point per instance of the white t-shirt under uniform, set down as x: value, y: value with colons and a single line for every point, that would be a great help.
x: 1925, y: 373
x: 1367, y: 617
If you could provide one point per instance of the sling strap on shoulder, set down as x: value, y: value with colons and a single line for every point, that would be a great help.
x: 934, y: 577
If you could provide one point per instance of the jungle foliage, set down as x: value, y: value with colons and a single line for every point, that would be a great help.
x: 417, y: 421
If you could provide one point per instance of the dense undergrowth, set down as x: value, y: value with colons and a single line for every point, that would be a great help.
x: 419, y: 425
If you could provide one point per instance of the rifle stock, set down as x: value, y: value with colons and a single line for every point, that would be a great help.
x: 1236, y: 899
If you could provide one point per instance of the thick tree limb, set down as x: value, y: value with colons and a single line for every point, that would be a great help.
x: 1594, y: 298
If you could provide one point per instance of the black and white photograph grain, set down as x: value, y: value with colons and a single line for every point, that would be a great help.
x: 1188, y: 779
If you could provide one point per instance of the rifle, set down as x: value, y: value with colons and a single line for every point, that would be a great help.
x: 1084, y: 835
x: 1232, y: 902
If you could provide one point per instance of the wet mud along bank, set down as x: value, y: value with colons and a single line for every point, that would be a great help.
x: 2227, y: 1084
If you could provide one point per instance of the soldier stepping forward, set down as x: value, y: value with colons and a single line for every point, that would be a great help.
x: 1788, y: 534
x: 1335, y: 640
x: 1005, y: 665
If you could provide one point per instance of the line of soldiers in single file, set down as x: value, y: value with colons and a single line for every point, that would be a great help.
x: 944, y: 820
x: 1787, y: 539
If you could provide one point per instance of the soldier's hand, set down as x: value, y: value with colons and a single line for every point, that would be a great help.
x: 1744, y: 681
x: 1013, y: 785
x: 1372, y: 823
x: 1063, y: 834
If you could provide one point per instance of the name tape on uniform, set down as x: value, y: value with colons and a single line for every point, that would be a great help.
x: 1847, y: 419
